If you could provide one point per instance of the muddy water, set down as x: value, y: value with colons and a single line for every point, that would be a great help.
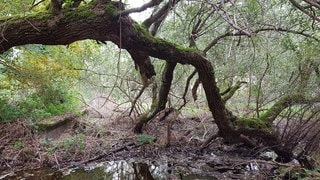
x: 107, y: 170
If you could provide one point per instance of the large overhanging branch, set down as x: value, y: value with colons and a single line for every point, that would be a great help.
x: 59, y: 29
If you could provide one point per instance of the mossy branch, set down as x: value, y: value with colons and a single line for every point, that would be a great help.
x: 231, y: 91
x: 285, y: 102
x: 253, y: 123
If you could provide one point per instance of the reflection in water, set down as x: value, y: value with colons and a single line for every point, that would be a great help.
x: 95, y: 174
x: 116, y: 170
x: 43, y: 174
x: 142, y: 171
x: 121, y: 170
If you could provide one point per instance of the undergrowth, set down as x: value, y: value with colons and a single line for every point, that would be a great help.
x: 34, y: 106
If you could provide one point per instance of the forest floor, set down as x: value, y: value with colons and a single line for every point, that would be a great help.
x: 172, y: 142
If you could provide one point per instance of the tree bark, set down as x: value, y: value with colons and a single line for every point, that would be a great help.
x: 167, y: 77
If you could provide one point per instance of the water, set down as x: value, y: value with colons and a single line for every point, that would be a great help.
x: 108, y: 170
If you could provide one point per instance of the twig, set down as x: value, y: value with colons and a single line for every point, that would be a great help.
x: 205, y: 144
x: 84, y: 102
x: 33, y: 26
x: 139, y: 9
x: 302, y: 9
x: 2, y: 33
x: 186, y: 89
x: 260, y: 86
x: 157, y: 18
x: 56, y: 159
x: 35, y: 4
x: 229, y: 20
x: 125, y: 147
x: 263, y: 161
x: 239, y: 33
x: 136, y: 99
x: 195, y: 88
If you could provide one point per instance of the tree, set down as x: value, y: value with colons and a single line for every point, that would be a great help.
x: 104, y: 20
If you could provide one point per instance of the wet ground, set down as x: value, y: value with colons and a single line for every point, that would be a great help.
x: 107, y: 170
x: 100, y: 148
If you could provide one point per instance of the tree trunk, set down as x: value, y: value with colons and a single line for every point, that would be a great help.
x: 167, y: 77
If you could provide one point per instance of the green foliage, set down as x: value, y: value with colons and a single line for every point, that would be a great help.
x: 77, y: 142
x: 35, y: 85
x: 17, y: 144
x: 12, y: 7
x: 253, y: 123
x: 288, y: 43
x: 145, y: 139
x: 70, y: 144
x: 8, y: 111
x: 192, y: 111
x: 33, y: 107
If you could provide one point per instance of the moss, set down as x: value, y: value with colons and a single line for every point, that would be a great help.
x: 90, y: 11
x: 30, y: 16
x: 144, y: 30
x: 69, y: 15
x: 40, y: 15
x: 274, y: 109
x: 280, y: 105
x: 144, y: 117
x: 78, y: 13
x: 110, y: 9
x: 154, y: 104
x: 145, y: 139
x: 177, y: 46
x: 252, y: 123
x: 50, y: 124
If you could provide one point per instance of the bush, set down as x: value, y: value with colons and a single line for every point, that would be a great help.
x: 33, y: 106
x: 8, y: 111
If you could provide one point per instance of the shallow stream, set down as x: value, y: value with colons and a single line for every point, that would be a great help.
x: 107, y: 170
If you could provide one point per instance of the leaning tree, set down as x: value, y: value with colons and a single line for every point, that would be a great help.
x: 64, y: 22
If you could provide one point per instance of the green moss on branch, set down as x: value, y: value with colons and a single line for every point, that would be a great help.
x: 146, y: 34
x: 226, y: 96
x: 78, y: 13
x: 281, y: 105
x: 252, y: 123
